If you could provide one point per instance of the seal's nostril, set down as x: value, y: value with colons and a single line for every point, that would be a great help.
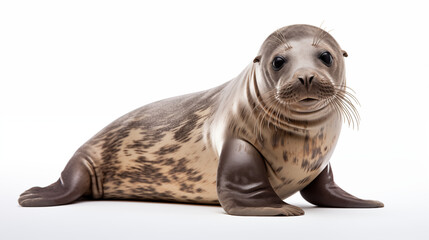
x: 310, y: 79
x: 301, y: 80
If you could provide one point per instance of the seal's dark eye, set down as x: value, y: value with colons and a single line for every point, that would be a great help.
x: 326, y: 58
x: 278, y: 63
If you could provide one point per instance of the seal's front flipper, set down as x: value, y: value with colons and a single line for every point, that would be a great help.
x: 324, y: 192
x: 74, y: 183
x: 242, y: 183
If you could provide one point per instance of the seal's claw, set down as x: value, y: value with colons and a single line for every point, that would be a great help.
x: 290, y: 210
x: 379, y: 204
x: 284, y: 210
x: 370, y: 204
x: 32, y: 197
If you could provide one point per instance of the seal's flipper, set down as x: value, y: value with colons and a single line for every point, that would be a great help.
x: 324, y: 192
x: 75, y: 182
x: 242, y: 183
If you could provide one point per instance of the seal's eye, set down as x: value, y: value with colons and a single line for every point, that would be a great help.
x: 326, y: 58
x: 278, y: 63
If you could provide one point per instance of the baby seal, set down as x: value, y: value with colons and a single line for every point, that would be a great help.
x: 245, y: 145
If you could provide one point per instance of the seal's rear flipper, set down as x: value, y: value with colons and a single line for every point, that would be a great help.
x: 324, y: 192
x: 243, y: 186
x: 75, y: 182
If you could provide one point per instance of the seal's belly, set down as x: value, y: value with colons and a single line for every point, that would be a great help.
x: 294, y: 161
x: 167, y: 170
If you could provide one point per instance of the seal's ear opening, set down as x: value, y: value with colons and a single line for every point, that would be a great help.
x: 344, y: 53
x: 257, y: 59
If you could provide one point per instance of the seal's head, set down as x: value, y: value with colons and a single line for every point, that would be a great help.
x: 301, y: 67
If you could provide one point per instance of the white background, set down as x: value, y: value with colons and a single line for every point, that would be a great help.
x: 68, y: 68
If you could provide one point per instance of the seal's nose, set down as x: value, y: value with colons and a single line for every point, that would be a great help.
x: 306, y: 80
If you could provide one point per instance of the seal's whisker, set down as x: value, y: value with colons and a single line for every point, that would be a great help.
x: 269, y: 113
x: 263, y: 120
x: 344, y: 111
x: 349, y: 109
x: 350, y: 105
x: 316, y: 36
x: 331, y: 104
x: 353, y: 97
x: 288, y: 46
x: 259, y: 122
x: 338, y: 106
x: 281, y: 40
x: 323, y: 35
x: 319, y: 36
x: 273, y: 103
x: 275, y: 41
x: 348, y: 97
x: 345, y: 106
x: 350, y: 94
x: 278, y: 113
x: 273, y: 111
x: 263, y: 112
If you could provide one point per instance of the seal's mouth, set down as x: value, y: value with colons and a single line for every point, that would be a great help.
x: 308, y: 101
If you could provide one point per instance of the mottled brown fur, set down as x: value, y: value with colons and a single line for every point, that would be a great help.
x: 153, y: 153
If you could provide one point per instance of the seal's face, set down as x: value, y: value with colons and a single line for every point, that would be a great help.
x: 301, y: 67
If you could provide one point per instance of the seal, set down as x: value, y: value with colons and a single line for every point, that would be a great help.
x: 245, y: 145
